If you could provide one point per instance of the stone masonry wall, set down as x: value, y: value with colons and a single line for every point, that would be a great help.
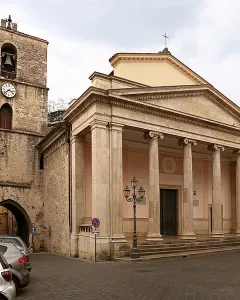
x: 56, y: 199
x: 29, y: 108
x: 20, y: 177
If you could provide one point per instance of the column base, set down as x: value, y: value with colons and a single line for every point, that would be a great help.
x: 217, y: 235
x: 118, y: 238
x: 188, y: 236
x: 74, y: 245
x: 154, y: 237
x: 237, y: 233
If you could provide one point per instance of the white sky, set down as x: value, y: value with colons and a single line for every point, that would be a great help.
x: 83, y: 35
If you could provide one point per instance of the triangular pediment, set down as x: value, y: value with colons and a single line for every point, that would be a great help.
x: 154, y: 69
x: 202, y: 102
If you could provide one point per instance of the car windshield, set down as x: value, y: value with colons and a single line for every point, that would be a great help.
x: 13, y: 241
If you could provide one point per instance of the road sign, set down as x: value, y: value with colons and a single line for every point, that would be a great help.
x: 95, y: 222
x: 33, y: 229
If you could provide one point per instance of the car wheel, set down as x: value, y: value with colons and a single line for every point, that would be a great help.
x: 16, y: 283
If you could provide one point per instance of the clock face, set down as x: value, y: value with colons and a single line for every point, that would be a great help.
x: 8, y: 90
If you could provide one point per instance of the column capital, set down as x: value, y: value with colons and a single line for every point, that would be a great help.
x: 152, y: 134
x: 186, y: 141
x: 236, y: 152
x: 116, y: 126
x: 215, y: 147
x: 98, y: 124
x: 74, y: 138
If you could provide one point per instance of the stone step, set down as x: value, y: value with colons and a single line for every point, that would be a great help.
x: 185, y: 244
x: 189, y: 241
x: 153, y: 251
x: 178, y: 254
x: 182, y: 246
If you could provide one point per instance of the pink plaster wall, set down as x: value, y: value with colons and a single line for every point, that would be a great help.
x: 226, y: 191
x: 136, y: 164
x: 88, y: 180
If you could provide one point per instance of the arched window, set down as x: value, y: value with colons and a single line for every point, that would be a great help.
x: 8, y: 61
x: 6, y: 116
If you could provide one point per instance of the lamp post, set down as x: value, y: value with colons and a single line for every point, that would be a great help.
x: 134, y: 199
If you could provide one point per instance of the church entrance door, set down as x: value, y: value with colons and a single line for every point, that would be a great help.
x: 168, y: 209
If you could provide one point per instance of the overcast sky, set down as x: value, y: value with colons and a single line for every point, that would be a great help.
x: 83, y: 35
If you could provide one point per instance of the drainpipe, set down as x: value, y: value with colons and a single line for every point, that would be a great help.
x: 69, y: 179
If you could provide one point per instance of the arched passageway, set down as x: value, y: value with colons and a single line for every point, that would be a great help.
x: 21, y: 217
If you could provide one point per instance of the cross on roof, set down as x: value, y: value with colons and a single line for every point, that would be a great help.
x: 166, y: 37
x: 9, y: 22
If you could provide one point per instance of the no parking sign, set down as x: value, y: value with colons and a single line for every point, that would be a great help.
x: 95, y: 222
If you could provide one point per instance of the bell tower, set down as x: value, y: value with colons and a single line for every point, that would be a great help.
x: 23, y: 124
x: 23, y: 79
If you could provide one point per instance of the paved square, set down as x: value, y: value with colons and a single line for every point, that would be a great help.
x: 215, y: 276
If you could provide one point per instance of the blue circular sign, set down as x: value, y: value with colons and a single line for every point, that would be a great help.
x: 95, y: 222
x: 33, y: 229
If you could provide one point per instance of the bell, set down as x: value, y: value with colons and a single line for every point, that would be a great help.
x: 8, y: 60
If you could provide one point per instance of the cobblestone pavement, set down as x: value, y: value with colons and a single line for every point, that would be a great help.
x: 213, y: 277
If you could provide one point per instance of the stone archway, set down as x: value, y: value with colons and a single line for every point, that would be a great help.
x: 21, y: 216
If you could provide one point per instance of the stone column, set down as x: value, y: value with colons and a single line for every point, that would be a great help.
x: 77, y: 189
x: 216, y: 191
x: 154, y: 188
x: 238, y: 193
x: 100, y: 177
x: 116, y: 182
x: 187, y: 225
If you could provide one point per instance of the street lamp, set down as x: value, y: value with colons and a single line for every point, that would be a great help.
x: 134, y: 199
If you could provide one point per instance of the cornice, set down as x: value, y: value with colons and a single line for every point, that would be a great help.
x: 24, y: 83
x: 70, y: 113
x: 56, y: 144
x: 12, y: 131
x: 175, y: 115
x: 117, y: 79
x: 144, y: 107
x: 58, y: 136
x: 24, y: 35
x: 197, y: 91
x: 15, y: 184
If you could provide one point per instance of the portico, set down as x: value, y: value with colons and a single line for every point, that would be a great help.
x: 181, y: 142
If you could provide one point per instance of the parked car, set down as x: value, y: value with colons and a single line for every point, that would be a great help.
x: 17, y: 262
x: 7, y: 286
x: 19, y: 243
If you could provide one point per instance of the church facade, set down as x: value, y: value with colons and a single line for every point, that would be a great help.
x: 154, y: 119
x: 151, y: 118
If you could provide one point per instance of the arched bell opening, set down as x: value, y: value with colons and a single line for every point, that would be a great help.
x: 6, y: 116
x: 16, y: 221
x: 8, y: 61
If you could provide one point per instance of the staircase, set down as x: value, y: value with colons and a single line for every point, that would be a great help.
x: 182, y: 248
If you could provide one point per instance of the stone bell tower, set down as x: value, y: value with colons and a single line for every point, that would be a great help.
x: 23, y: 63
x: 23, y: 123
